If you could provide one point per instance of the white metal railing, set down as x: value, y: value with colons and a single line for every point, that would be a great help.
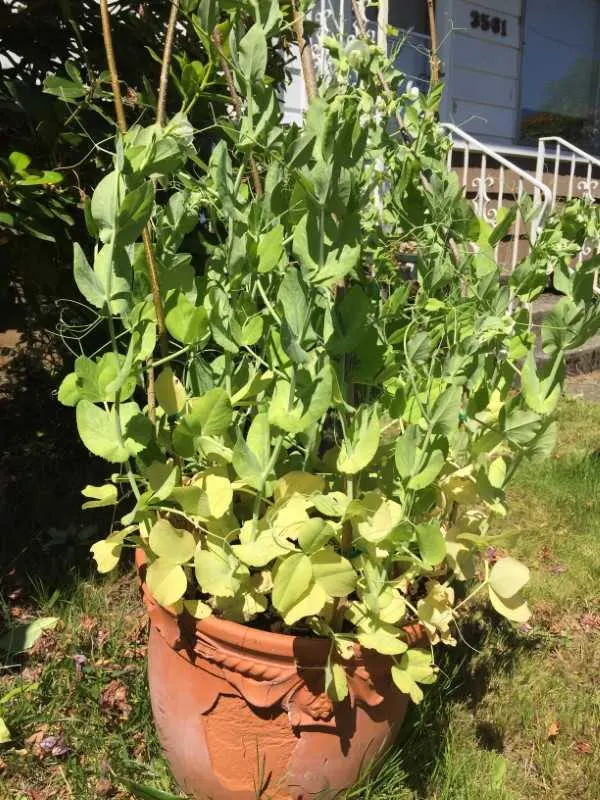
x: 565, y: 151
x: 482, y: 183
x: 571, y: 155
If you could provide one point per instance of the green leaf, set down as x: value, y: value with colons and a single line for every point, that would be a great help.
x: 19, y: 161
x: 312, y: 402
x: 358, y: 450
x: 246, y: 464
x: 166, y: 581
x: 170, y: 392
x: 262, y: 550
x: 508, y: 576
x: 134, y: 213
x: 292, y: 582
x: 88, y: 283
x: 210, y: 414
x: 175, y: 545
x: 98, y: 431
x: 444, y: 416
x: 253, y: 54
x: 541, y: 394
x: 426, y: 476
x: 406, y: 451
x: 383, y: 639
x: 336, y: 683
x: 292, y: 298
x: 415, y: 667
x: 215, y: 573
x: 258, y: 439
x: 112, y: 268
x: 314, y: 534
x: 521, y: 426
x: 63, y: 88
x: 504, y: 219
x: 334, y: 573
x: 69, y: 393
x: 544, y: 443
x: 103, y: 208
x: 432, y: 544
x: 270, y: 250
x: 349, y: 321
x: 105, y: 495
x: 23, y: 637
x: 186, y: 322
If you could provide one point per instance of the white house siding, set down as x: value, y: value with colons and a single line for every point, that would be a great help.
x: 481, y: 67
x: 334, y: 18
x: 294, y: 102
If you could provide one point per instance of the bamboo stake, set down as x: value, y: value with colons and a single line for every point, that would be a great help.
x: 166, y: 64
x: 112, y: 66
x: 360, y: 21
x: 434, y: 58
x: 147, y: 237
x: 306, y: 58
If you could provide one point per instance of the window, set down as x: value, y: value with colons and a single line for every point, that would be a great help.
x: 560, y: 89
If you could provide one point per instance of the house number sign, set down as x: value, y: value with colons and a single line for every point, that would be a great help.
x: 485, y: 22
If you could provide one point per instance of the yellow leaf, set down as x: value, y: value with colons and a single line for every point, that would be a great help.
x: 107, y: 552
x: 513, y: 608
x: 298, y: 482
x: 175, y: 545
x: 219, y: 492
x: 166, y: 581
x: 170, y: 393
x: 197, y: 608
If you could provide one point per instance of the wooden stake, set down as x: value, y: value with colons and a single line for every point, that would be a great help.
x: 306, y: 57
x: 434, y: 58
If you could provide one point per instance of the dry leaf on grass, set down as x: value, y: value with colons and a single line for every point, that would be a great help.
x: 114, y: 699
x: 42, y: 744
x: 104, y: 788
x: 590, y: 622
x: 584, y: 747
x: 553, y: 730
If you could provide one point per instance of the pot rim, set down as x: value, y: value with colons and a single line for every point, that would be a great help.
x: 249, y: 638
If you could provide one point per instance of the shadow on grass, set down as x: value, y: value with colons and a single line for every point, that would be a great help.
x: 44, y: 534
x: 488, y: 647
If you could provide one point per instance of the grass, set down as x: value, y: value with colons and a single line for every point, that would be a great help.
x: 515, y: 715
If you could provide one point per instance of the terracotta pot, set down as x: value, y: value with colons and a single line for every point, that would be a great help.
x: 241, y: 713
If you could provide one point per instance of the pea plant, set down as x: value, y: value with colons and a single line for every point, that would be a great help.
x: 304, y: 438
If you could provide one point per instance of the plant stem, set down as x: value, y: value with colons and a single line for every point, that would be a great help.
x: 237, y: 105
x: 171, y: 356
x: 471, y: 595
x: 161, y: 105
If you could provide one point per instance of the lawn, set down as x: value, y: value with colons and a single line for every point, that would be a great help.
x: 515, y: 715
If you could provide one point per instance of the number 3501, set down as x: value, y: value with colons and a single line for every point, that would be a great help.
x: 488, y: 23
